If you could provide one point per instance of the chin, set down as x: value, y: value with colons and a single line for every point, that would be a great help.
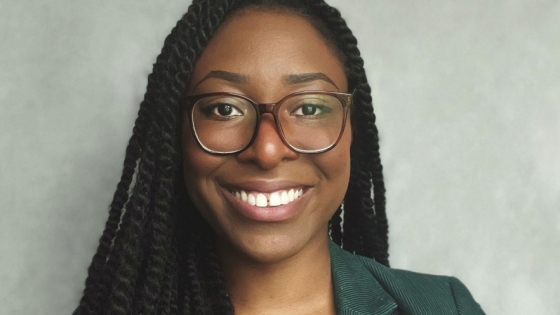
x: 268, y: 248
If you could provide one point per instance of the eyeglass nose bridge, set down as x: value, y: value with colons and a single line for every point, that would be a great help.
x: 266, y: 108
x: 269, y: 108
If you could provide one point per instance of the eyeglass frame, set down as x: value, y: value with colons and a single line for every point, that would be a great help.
x: 346, y: 100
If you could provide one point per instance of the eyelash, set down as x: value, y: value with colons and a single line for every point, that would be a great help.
x: 323, y: 109
x: 211, y: 110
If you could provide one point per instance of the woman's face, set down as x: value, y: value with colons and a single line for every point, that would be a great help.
x: 255, y: 54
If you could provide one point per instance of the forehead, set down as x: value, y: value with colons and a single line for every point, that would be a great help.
x: 265, y: 46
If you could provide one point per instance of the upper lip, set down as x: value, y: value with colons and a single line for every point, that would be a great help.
x: 264, y: 186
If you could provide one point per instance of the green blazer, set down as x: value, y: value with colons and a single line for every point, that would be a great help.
x: 365, y: 287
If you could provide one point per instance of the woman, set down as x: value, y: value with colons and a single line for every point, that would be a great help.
x: 254, y: 146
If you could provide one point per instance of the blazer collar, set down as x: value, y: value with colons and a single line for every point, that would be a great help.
x: 356, y: 290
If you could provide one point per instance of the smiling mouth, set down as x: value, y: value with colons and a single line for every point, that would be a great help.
x: 273, y: 199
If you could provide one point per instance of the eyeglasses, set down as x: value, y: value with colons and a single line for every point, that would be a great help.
x: 307, y: 122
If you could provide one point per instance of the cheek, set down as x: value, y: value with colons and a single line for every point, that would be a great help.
x: 198, y: 165
x: 339, y: 157
x: 335, y: 166
x: 199, y: 168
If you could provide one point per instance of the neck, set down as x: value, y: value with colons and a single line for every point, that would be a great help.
x: 301, y: 284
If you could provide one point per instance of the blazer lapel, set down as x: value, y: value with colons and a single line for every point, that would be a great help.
x: 356, y: 291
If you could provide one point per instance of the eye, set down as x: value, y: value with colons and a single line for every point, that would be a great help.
x: 226, y: 110
x: 221, y: 110
x: 310, y: 110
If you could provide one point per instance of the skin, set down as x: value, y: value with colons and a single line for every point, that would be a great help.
x: 270, y: 267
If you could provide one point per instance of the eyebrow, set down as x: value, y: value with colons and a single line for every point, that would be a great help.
x: 288, y: 79
x: 307, y: 77
x: 225, y: 75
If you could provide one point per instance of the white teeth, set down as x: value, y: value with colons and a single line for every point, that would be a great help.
x: 274, y: 199
x: 277, y: 198
x: 284, y: 200
x: 291, y: 195
x: 261, y: 200
x: 251, y: 200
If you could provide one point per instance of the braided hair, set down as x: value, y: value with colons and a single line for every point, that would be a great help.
x: 156, y: 254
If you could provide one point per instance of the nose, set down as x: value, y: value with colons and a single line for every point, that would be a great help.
x: 267, y: 150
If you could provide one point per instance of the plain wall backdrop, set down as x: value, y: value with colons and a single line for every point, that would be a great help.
x: 467, y: 95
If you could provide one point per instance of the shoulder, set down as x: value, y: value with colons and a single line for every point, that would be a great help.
x: 412, y: 292
x: 412, y: 288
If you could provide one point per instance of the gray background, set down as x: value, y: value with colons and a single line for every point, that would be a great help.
x: 468, y: 102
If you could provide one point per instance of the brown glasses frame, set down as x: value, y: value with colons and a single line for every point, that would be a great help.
x: 269, y: 108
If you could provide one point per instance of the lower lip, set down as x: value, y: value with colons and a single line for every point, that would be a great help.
x: 267, y: 214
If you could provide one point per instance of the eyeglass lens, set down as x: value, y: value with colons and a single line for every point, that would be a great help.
x: 227, y: 123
